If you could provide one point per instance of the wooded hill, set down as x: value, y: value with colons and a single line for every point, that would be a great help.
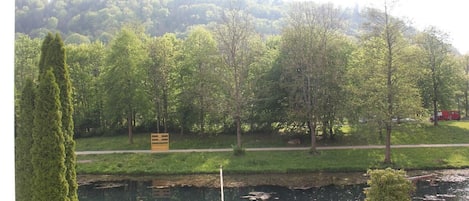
x: 81, y: 21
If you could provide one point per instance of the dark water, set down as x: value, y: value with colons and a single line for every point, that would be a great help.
x: 143, y: 191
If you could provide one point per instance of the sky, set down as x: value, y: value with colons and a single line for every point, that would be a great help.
x: 447, y: 15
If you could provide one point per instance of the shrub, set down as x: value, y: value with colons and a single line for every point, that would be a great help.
x: 388, y: 185
x: 238, y: 151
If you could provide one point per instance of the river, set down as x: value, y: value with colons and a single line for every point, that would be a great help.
x: 449, y: 185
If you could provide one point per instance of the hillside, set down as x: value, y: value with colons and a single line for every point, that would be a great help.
x: 89, y: 20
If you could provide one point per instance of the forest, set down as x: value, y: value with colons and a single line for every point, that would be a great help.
x: 207, y: 67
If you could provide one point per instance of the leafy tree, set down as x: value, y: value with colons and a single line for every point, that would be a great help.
x: 163, y: 52
x: 76, y: 38
x: 269, y: 105
x: 265, y: 96
x: 198, y: 80
x: 23, y: 142
x: 86, y: 63
x: 122, y: 86
x: 26, y: 59
x: 233, y: 35
x: 466, y: 85
x: 314, y: 62
x: 437, y: 70
x: 380, y: 74
x: 48, y: 150
x: 388, y: 185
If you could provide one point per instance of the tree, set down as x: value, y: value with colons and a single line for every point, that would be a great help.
x: 124, y: 94
x: 56, y: 59
x: 265, y: 104
x: 23, y: 142
x: 48, y: 150
x: 466, y: 85
x: 233, y: 35
x: 314, y: 61
x: 388, y: 185
x: 199, y: 80
x: 26, y: 59
x: 86, y: 62
x: 381, y: 74
x: 53, y: 58
x: 163, y: 54
x: 436, y: 68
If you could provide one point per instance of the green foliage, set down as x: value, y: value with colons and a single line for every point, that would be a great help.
x: 86, y: 62
x: 125, y: 95
x: 53, y: 60
x: 62, y: 75
x: 23, y: 142
x: 91, y: 19
x: 388, y: 185
x: 180, y: 80
x: 200, y: 96
x: 238, y: 151
x: 48, y: 150
x: 162, y: 78
x: 26, y: 59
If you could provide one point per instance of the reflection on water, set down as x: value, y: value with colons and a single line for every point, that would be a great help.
x: 153, y: 190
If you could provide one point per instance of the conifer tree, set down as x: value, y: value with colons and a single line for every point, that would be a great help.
x: 48, y: 151
x: 44, y: 51
x: 53, y: 57
x: 56, y: 58
x: 23, y: 142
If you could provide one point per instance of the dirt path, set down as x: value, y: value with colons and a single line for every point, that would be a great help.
x: 273, y: 149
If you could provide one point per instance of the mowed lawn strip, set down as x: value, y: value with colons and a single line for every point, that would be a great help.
x: 450, y: 132
x: 271, y: 162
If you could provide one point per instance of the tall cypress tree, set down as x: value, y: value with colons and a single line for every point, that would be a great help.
x: 44, y: 50
x: 56, y: 58
x: 23, y: 142
x: 48, y: 151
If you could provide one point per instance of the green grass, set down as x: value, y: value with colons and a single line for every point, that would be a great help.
x: 177, y: 141
x: 411, y: 133
x: 271, y: 162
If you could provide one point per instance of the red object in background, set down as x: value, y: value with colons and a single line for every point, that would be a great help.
x: 448, y: 115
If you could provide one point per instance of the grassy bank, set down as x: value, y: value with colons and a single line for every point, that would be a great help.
x: 411, y: 133
x: 271, y: 162
x: 279, y: 161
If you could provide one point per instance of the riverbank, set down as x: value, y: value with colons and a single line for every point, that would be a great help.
x: 290, y: 180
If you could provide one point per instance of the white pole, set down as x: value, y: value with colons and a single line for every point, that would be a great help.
x: 221, y: 183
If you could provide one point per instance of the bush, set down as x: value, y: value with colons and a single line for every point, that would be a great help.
x: 388, y: 185
x: 238, y: 151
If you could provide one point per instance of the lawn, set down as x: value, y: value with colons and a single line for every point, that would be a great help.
x: 409, y: 133
x: 271, y: 162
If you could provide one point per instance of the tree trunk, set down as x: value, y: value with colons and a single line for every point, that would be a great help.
x: 129, y: 125
x: 238, y: 131
x: 387, y: 155
x: 312, y: 131
x: 435, y: 112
